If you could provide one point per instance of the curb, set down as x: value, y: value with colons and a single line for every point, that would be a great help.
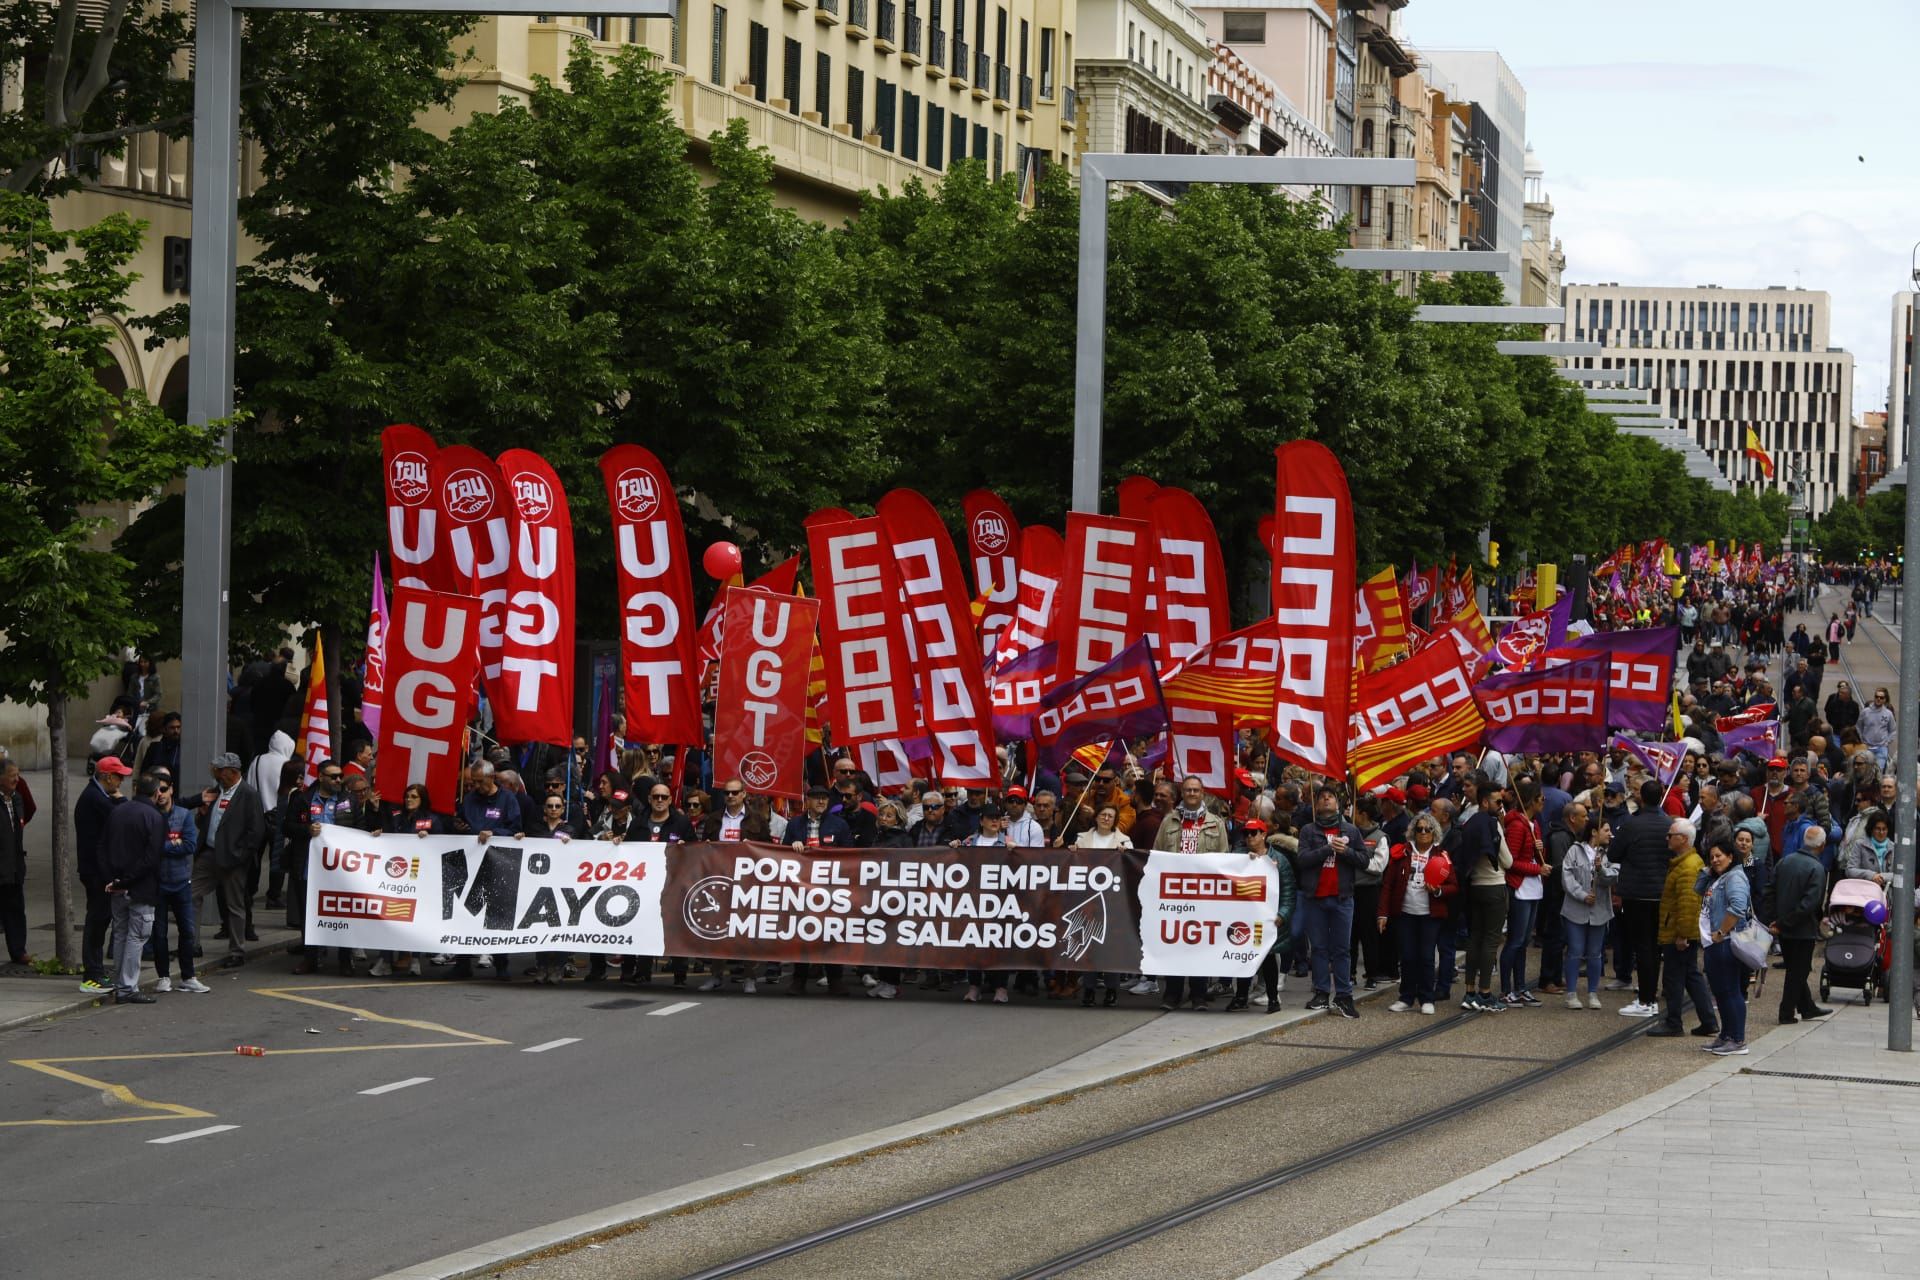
x: 1059, y: 1081
x: 1321, y: 1253
x: 258, y: 950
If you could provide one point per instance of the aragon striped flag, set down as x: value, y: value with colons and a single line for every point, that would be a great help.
x: 1234, y: 675
x: 1380, y: 621
x: 1410, y: 712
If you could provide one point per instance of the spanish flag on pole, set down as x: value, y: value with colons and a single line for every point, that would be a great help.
x: 1758, y: 454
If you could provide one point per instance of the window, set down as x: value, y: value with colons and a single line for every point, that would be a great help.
x: 1239, y: 27
x: 909, y: 126
x: 999, y: 155
x: 1046, y: 63
x: 1366, y: 137
x: 936, y: 137
x: 1366, y: 206
x: 823, y: 87
x: 957, y: 138
x: 883, y: 118
x: 857, y: 101
x: 718, y: 71
x: 596, y: 28
x: 979, y: 151
x: 677, y: 35
x: 1023, y: 48
x: 1000, y: 37
x: 757, y: 60
x: 790, y: 75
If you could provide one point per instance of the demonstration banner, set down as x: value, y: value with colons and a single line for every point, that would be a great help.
x: 760, y: 718
x: 658, y: 646
x: 1103, y: 590
x: 1106, y: 910
x: 1559, y: 709
x: 433, y: 658
x: 993, y: 549
x: 869, y: 675
x: 476, y: 533
x: 413, y: 518
x: 535, y: 680
x: 1313, y: 586
x: 954, y: 709
x: 1642, y: 666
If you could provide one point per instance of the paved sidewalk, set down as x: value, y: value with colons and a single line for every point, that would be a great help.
x: 1747, y: 1168
x: 30, y: 998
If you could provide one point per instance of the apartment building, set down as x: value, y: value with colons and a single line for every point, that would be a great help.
x: 1900, y: 379
x: 1495, y: 115
x: 1255, y: 118
x: 1140, y: 71
x: 1543, y: 260
x: 1721, y: 360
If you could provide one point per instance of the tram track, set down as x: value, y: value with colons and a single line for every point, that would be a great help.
x: 851, y: 1245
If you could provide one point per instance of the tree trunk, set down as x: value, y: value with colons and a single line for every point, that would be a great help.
x: 65, y: 945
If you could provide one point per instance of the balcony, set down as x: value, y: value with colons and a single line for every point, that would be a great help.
x: 1069, y: 110
x: 826, y: 12
x: 1026, y: 94
x: 910, y: 50
x: 959, y: 58
x: 936, y: 52
x: 982, y: 75
x: 1002, y: 86
x: 886, y: 31
x: 857, y: 19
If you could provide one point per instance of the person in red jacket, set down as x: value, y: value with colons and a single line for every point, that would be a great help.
x: 1417, y: 892
x: 1526, y: 888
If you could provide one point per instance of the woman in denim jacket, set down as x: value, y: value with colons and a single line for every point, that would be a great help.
x: 1728, y: 906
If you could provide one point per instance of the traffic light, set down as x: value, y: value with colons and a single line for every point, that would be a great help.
x: 1493, y: 554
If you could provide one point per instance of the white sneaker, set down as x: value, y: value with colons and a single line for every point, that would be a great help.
x: 1638, y: 1010
x: 415, y: 970
x: 382, y: 968
x: 1145, y: 987
x: 868, y: 981
x: 883, y: 991
x: 1399, y: 1006
x: 750, y: 986
x: 1593, y: 1000
x: 1426, y: 1007
x: 483, y: 962
x: 821, y: 982
x: 194, y: 985
x: 163, y: 986
x: 440, y: 959
x: 1614, y: 984
x: 711, y: 984
x: 1573, y: 1001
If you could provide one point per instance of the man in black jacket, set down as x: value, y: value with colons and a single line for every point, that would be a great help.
x: 1641, y: 850
x: 1791, y: 908
x: 235, y: 828
x: 818, y: 829
x: 97, y: 801
x: 1331, y: 850
x: 130, y: 850
x: 13, y: 862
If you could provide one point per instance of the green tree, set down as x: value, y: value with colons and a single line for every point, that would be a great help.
x: 69, y: 447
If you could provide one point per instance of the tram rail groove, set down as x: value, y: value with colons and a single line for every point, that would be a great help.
x: 1280, y: 1177
x: 1119, y: 1137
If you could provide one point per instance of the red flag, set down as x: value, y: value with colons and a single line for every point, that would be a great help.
x: 413, y: 517
x: 1190, y: 578
x: 1233, y: 676
x: 1200, y: 744
x: 1102, y: 591
x: 1314, y: 576
x: 993, y: 549
x: 780, y: 580
x: 1043, y: 554
x: 373, y: 681
x: 869, y: 671
x: 433, y: 655
x: 534, y: 699
x: 657, y: 641
x: 953, y: 688
x: 316, y: 727
x: 1410, y: 712
x: 477, y: 522
x: 760, y: 719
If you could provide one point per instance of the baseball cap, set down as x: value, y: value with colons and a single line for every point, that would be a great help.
x: 1243, y: 777
x: 1394, y: 794
x: 1016, y: 793
x: 1253, y: 824
x: 1778, y: 762
x: 1616, y: 789
x: 1418, y: 791
x: 113, y: 764
x: 621, y: 797
x: 226, y: 760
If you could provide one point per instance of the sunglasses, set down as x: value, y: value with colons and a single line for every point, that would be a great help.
x: 934, y: 804
x: 332, y: 777
x: 660, y: 795
x: 695, y: 807
x: 736, y: 793
x: 556, y: 808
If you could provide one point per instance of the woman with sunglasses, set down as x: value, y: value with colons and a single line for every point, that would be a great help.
x: 414, y: 817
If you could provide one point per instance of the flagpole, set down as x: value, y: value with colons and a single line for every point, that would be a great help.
x: 1083, y: 792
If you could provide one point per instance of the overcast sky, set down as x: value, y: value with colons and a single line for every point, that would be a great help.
x: 1721, y: 144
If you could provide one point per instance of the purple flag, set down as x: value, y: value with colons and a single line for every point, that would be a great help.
x: 1119, y: 700
x: 1761, y: 738
x: 1663, y: 759
x: 1559, y: 709
x: 1642, y: 664
x: 1017, y: 688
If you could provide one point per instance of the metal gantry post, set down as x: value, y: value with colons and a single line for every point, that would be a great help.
x: 1906, y: 746
x: 1090, y: 352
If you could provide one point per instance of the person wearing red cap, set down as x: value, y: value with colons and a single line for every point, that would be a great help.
x: 98, y: 799
x: 1023, y: 830
x: 1280, y: 854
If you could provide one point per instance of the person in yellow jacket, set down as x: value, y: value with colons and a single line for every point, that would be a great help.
x: 1680, y: 938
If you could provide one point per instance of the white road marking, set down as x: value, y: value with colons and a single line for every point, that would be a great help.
x: 551, y: 1044
x: 397, y: 1084
x: 191, y: 1133
x: 673, y: 1008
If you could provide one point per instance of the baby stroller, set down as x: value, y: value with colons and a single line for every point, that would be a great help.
x: 1858, y: 955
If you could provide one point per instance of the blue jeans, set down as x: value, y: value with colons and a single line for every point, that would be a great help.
x: 1880, y: 754
x: 1725, y: 976
x: 180, y: 903
x: 1513, y: 955
x: 1585, y: 942
x: 1419, y: 939
x: 1329, y: 931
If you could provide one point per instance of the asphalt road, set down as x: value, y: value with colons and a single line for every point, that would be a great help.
x: 477, y: 1135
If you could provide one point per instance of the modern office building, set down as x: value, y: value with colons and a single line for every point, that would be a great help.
x: 1496, y: 123
x: 1722, y: 360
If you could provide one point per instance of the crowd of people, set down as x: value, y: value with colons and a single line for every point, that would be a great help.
x: 1506, y: 878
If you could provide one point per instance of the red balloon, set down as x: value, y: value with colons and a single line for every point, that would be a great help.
x: 721, y: 561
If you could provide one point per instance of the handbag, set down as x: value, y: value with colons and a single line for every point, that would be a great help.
x: 1752, y: 942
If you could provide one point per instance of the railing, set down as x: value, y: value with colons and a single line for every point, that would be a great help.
x: 887, y: 11
x: 913, y: 32
x: 959, y: 57
x: 828, y: 6
x: 856, y: 13
x: 1026, y: 93
x: 1003, y: 82
x: 1068, y: 100
x: 937, y: 46
x: 982, y: 69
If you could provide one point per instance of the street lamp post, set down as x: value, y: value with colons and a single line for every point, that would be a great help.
x: 1906, y: 746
